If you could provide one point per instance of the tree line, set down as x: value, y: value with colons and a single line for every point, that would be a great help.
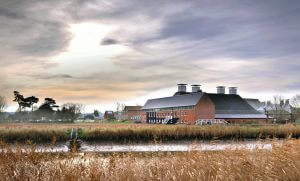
x: 47, y: 111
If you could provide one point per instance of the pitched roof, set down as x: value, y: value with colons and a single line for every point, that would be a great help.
x: 174, y: 101
x: 231, y: 104
x: 256, y: 104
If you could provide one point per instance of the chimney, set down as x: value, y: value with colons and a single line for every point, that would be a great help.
x: 181, y: 87
x: 196, y: 88
x: 233, y: 90
x: 221, y: 90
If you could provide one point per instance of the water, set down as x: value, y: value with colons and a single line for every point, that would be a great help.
x: 164, y: 147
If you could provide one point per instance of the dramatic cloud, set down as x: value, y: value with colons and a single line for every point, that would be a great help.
x: 100, y: 51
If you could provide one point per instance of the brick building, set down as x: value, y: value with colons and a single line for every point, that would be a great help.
x: 132, y: 113
x: 188, y: 107
x: 109, y: 115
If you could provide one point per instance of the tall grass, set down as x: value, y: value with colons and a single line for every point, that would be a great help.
x: 143, y: 133
x: 280, y: 163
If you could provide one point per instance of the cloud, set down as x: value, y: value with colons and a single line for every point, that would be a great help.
x: 109, y: 41
x: 60, y: 76
x: 249, y: 44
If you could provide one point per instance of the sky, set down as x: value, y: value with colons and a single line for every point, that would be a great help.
x: 99, y: 52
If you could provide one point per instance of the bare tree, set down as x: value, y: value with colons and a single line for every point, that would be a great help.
x: 278, y: 108
x: 278, y: 102
x: 71, y: 111
x: 2, y: 104
x: 295, y: 101
x: 120, y: 111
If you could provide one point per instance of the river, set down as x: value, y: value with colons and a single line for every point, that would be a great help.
x: 161, y: 147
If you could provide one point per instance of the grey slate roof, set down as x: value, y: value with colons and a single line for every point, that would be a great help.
x: 230, y: 104
x: 174, y: 101
x: 256, y: 104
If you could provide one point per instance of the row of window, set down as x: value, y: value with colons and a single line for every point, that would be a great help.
x: 135, y: 117
x: 159, y: 121
x: 183, y: 113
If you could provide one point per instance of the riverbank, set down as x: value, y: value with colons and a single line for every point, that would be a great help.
x: 280, y: 163
x: 141, y: 133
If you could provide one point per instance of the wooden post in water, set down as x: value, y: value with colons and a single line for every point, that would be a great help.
x: 74, y: 143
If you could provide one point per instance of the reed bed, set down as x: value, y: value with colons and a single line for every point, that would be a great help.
x: 280, y: 163
x: 43, y: 133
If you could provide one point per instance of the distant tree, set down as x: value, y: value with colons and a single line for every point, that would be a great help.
x: 278, y: 102
x: 70, y: 111
x: 48, y: 105
x: 295, y: 101
x: 25, y: 102
x: 20, y: 100
x: 96, y: 113
x: 90, y: 117
x: 30, y: 101
x: 278, y: 111
x: 118, y: 107
x: 2, y: 105
x: 120, y: 111
x: 47, y: 108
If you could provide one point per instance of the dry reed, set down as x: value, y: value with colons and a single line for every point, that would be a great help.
x: 143, y: 133
x: 280, y: 163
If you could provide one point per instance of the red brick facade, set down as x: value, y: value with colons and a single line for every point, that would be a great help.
x: 132, y: 113
x: 204, y: 109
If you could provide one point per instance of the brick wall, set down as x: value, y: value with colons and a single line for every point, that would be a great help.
x: 133, y: 115
x: 205, y: 109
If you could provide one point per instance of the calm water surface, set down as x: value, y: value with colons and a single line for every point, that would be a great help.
x: 163, y: 147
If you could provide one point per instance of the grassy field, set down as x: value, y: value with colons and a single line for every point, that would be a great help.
x: 129, y: 133
x: 280, y: 163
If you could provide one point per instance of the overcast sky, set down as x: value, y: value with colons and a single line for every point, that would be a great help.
x: 98, y: 52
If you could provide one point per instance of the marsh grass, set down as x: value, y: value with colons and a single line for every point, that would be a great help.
x: 280, y: 163
x: 131, y: 133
